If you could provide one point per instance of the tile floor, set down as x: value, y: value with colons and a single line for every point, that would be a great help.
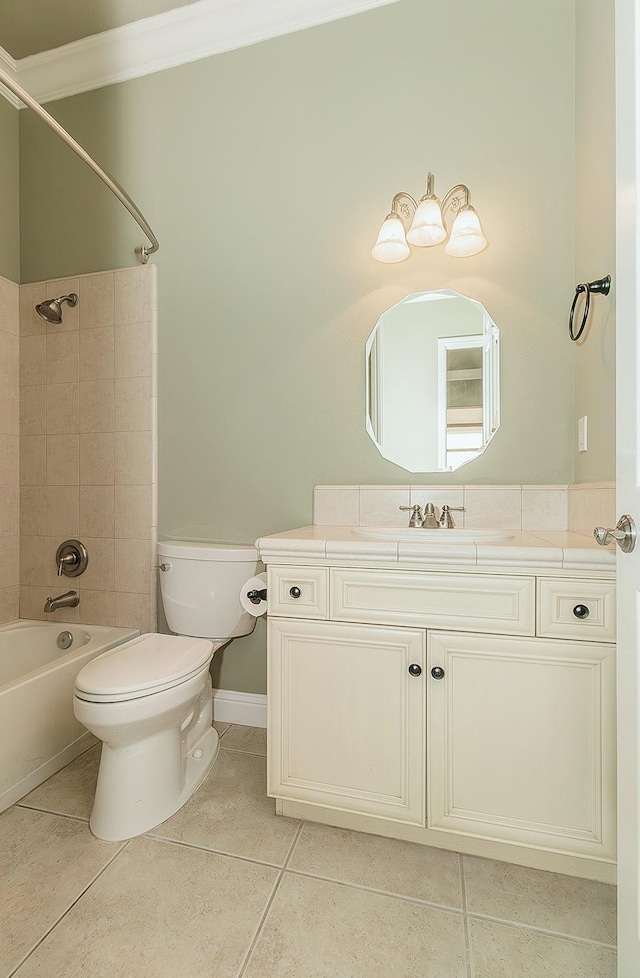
x: 225, y: 889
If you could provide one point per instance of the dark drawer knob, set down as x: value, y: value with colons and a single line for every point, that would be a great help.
x: 581, y: 611
x: 415, y: 669
x: 295, y: 592
x: 437, y: 672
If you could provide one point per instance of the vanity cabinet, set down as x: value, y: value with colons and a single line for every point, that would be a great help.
x: 470, y: 711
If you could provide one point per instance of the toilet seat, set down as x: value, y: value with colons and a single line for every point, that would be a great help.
x: 146, y: 665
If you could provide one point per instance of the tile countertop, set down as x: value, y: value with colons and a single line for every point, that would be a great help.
x: 530, y: 551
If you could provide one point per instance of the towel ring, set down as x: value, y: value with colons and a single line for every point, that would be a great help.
x: 599, y: 286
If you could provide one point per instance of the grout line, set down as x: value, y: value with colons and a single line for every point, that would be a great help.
x: 372, y: 889
x: 69, y: 908
x: 540, y: 930
x: 217, y: 852
x: 50, y: 811
x: 276, y: 887
x: 234, y: 750
x: 465, y: 919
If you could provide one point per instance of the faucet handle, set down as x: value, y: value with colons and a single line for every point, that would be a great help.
x: 446, y: 520
x: 417, y: 518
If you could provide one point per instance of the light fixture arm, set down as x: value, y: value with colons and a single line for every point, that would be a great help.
x: 456, y: 198
x: 404, y: 205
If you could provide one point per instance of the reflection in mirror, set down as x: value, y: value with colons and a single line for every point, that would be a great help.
x: 433, y: 381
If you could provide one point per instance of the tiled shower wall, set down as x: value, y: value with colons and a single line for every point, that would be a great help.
x: 9, y: 484
x: 88, y: 448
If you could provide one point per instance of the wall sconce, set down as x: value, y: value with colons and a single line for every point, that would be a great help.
x: 427, y: 225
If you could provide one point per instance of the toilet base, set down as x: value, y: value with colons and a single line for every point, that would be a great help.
x: 143, y: 784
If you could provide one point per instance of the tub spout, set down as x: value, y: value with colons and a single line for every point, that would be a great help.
x: 70, y: 599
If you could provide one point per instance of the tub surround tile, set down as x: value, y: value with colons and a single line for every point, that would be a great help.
x: 96, y: 308
x: 33, y: 460
x: 10, y: 410
x: 503, y: 951
x: 133, y: 404
x: 97, y: 459
x: 32, y: 601
x: 47, y: 862
x: 362, y: 934
x: 9, y: 603
x: 70, y: 314
x: 9, y: 560
x: 133, y: 350
x: 134, y: 299
x: 133, y: 512
x: 32, y: 560
x: 132, y: 566
x: 97, y: 607
x: 63, y: 511
x: 97, y: 354
x: 30, y: 296
x: 133, y: 458
x: 96, y: 410
x: 9, y: 510
x: 33, y: 359
x: 97, y: 511
x: 9, y: 358
x: 63, y: 460
x: 62, y: 407
x: 9, y: 306
x: 133, y: 610
x: 62, y: 357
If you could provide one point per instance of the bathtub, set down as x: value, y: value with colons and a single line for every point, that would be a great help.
x: 38, y: 732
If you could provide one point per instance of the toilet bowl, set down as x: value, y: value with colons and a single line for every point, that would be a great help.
x: 149, y: 700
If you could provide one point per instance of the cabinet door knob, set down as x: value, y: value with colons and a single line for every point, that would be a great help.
x: 437, y: 672
x: 415, y: 669
x: 295, y: 592
x: 581, y: 611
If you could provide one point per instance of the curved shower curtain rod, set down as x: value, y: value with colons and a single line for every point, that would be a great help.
x: 142, y: 252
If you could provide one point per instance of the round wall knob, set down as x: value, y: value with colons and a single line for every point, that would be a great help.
x: 295, y: 592
x: 581, y: 611
x: 437, y: 672
x: 415, y: 669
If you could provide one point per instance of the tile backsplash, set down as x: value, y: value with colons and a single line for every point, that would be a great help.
x: 9, y: 478
x: 87, y: 446
x: 563, y: 507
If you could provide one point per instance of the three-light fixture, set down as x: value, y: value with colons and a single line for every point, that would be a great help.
x: 427, y: 225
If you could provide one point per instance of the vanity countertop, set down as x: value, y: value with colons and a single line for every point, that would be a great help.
x: 530, y: 551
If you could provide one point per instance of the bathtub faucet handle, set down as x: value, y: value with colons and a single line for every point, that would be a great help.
x: 66, y: 560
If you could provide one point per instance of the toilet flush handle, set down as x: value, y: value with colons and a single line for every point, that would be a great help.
x: 165, y: 567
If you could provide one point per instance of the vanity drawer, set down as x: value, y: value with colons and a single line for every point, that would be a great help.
x: 462, y: 602
x: 297, y: 592
x: 562, y: 604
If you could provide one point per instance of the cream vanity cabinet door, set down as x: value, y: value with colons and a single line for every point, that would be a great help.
x: 522, y: 741
x: 346, y: 717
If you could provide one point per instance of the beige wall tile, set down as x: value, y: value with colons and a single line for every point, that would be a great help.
x: 133, y: 611
x: 71, y: 615
x: 9, y: 460
x: 62, y: 357
x: 380, y: 506
x: 133, y: 566
x: 97, y: 607
x: 63, y: 512
x: 133, y: 404
x: 493, y: 508
x: 9, y: 362
x: 96, y: 459
x: 70, y: 315
x: 32, y: 561
x: 96, y: 300
x: 133, y: 350
x: 33, y: 360
x: 9, y: 561
x: 33, y: 510
x: 96, y: 406
x: 33, y: 410
x: 9, y: 511
x: 99, y: 575
x: 545, y: 509
x: 9, y: 603
x: 9, y: 306
x: 63, y: 460
x: 30, y: 296
x: 32, y: 601
x: 133, y: 295
x: 133, y: 458
x: 62, y: 409
x: 97, y: 354
x: 9, y: 410
x: 336, y: 506
x: 33, y: 460
x: 97, y: 511
x: 133, y: 512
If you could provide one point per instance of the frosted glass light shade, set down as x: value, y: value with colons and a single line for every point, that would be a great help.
x: 466, y: 235
x: 427, y: 228
x: 391, y: 245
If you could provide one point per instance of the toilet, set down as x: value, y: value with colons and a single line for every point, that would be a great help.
x: 149, y: 700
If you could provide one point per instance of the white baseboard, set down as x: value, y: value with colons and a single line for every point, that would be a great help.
x: 248, y: 709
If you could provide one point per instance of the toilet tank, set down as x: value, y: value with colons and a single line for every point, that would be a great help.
x: 200, y: 585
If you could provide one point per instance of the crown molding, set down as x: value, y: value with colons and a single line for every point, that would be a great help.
x: 9, y: 66
x: 185, y: 34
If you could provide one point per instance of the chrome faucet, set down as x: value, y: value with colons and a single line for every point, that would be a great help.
x: 446, y: 521
x: 70, y: 599
x: 432, y: 518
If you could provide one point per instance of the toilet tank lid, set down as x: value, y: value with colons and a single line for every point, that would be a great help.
x: 207, y: 550
x: 144, y: 663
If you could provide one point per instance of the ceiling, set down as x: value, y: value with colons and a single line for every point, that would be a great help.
x: 31, y: 26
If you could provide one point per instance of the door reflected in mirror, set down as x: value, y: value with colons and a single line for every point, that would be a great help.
x: 433, y: 381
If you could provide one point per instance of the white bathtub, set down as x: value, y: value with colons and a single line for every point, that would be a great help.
x: 38, y: 732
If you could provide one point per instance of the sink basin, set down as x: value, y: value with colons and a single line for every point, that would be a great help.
x: 420, y: 535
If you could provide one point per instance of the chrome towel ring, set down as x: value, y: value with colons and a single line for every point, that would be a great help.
x: 600, y: 286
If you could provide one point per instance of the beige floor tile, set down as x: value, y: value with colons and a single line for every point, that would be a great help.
x: 45, y: 864
x: 318, y: 929
x: 398, y: 867
x: 159, y: 910
x: 563, y: 904
x: 253, y: 740
x: 230, y: 812
x: 502, y: 951
x: 221, y: 727
x: 71, y: 790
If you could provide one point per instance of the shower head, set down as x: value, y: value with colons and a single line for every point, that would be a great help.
x: 51, y: 309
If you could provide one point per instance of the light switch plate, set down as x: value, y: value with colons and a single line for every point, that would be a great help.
x: 582, y: 434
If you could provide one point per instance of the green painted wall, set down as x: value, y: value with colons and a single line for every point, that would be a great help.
x: 266, y: 173
x: 9, y: 197
x: 595, y: 352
